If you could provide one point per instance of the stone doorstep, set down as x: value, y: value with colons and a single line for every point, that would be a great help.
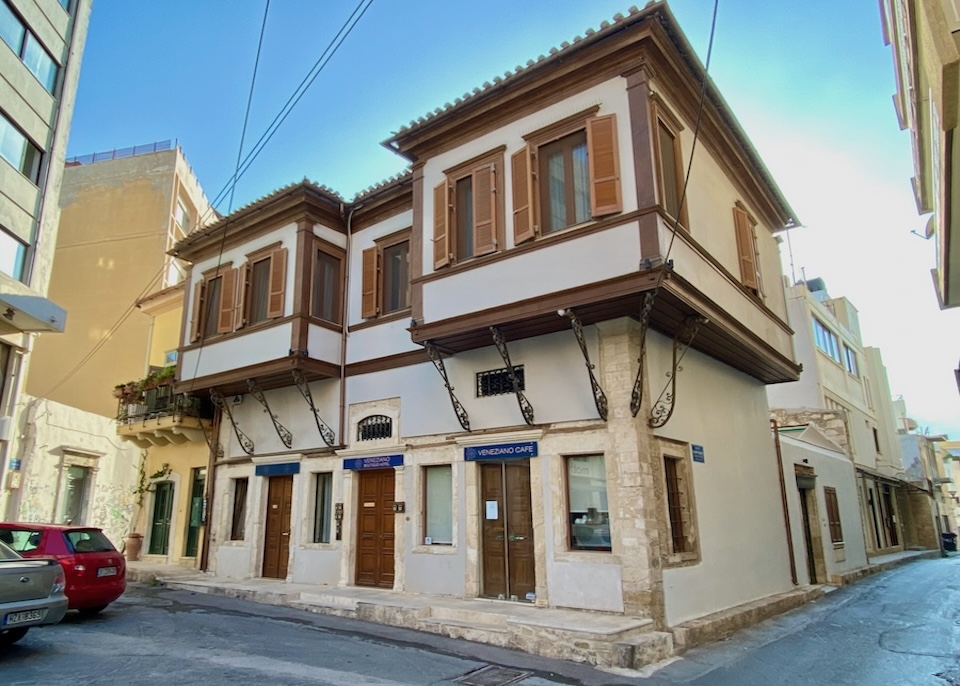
x: 720, y: 625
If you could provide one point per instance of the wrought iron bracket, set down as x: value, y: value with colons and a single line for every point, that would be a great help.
x: 636, y: 397
x: 663, y: 408
x: 326, y: 433
x: 282, y: 431
x: 526, y: 409
x: 211, y: 440
x: 245, y: 442
x: 458, y: 407
x: 599, y: 397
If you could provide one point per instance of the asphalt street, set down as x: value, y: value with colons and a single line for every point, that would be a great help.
x: 899, y: 628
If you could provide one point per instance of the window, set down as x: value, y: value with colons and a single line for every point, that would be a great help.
x: 746, y: 233
x: 833, y: 514
x: 386, y: 276
x: 238, y: 519
x: 89, y: 541
x: 588, y: 512
x: 678, y: 531
x: 568, y: 174
x: 13, y: 255
x: 213, y: 299
x: 325, y: 297
x: 467, y: 210
x: 16, y: 149
x: 438, y: 505
x: 876, y: 438
x: 850, y: 360
x: 497, y: 381
x: 374, y: 427
x: 669, y: 161
x: 182, y: 216
x: 26, y: 46
x: 826, y: 340
x: 76, y: 494
x: 264, y: 282
x: 323, y: 504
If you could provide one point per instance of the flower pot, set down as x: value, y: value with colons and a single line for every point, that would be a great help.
x: 133, y: 546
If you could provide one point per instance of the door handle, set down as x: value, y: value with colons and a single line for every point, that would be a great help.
x: 511, y: 537
x: 284, y: 533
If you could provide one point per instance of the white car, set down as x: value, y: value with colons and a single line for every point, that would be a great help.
x: 31, y: 594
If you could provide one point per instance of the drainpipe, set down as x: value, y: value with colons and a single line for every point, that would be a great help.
x: 783, y: 499
x: 208, y: 488
x: 343, y: 325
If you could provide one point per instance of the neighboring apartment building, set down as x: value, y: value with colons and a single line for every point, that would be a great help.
x: 924, y: 37
x: 924, y: 468
x: 435, y: 388
x: 41, y: 43
x: 841, y: 375
x: 121, y: 212
x: 948, y: 453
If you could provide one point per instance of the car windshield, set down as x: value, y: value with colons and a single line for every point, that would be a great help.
x: 88, y: 541
x: 21, y: 540
x: 6, y: 553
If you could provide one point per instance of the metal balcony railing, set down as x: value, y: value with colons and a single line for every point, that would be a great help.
x: 161, y: 402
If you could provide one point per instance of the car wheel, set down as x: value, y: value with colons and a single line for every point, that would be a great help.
x: 10, y: 636
x: 90, y: 611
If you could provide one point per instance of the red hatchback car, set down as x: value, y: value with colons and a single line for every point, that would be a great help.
x: 96, y: 573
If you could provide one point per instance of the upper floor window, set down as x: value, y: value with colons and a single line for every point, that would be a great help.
x: 214, y: 298
x: 669, y: 163
x: 182, y: 216
x: 263, y: 288
x: 826, y: 340
x: 850, y: 360
x: 746, y: 232
x: 467, y: 210
x: 325, y: 297
x: 386, y: 276
x: 27, y: 47
x: 17, y: 149
x: 13, y: 255
x: 568, y: 174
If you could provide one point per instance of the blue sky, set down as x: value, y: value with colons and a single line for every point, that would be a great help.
x: 811, y: 82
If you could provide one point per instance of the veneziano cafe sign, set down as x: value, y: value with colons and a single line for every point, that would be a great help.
x: 501, y: 451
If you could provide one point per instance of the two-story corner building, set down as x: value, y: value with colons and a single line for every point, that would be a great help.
x: 531, y: 369
x: 841, y: 375
x: 41, y: 43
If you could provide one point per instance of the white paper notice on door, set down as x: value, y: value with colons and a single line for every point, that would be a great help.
x: 493, y: 509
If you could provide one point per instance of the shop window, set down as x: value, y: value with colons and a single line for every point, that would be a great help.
x: 438, y: 505
x: 588, y: 511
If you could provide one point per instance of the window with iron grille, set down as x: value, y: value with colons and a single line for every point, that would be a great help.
x: 497, y: 381
x: 373, y: 427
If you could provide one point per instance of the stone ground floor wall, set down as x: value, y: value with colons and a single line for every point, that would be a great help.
x: 65, y: 453
x: 923, y: 517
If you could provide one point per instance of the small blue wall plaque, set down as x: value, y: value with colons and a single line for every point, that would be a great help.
x: 697, y: 453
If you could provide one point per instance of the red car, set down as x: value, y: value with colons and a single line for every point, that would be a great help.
x: 96, y: 573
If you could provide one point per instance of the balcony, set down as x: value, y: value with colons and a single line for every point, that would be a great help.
x: 157, y: 416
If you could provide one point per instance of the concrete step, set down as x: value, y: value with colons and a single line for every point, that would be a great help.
x: 650, y: 647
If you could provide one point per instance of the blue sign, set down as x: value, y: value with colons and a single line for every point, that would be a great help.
x: 697, y: 453
x: 378, y: 462
x: 278, y: 469
x: 502, y: 451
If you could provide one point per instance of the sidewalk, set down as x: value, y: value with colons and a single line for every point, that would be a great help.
x: 881, y: 563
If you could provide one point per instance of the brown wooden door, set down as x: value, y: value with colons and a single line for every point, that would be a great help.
x: 375, y: 519
x: 508, y: 563
x: 276, y: 537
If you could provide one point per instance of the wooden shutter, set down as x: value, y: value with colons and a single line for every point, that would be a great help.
x: 833, y: 514
x: 604, y: 165
x: 745, y: 248
x: 228, y: 295
x: 522, y: 183
x: 368, y: 302
x: 484, y: 209
x: 441, y: 225
x: 278, y: 283
x: 241, y: 316
x: 197, y: 311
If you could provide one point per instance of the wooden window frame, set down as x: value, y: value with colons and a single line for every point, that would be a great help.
x: 833, y: 515
x: 660, y: 114
x: 276, y: 297
x: 525, y: 173
x: 372, y: 276
x: 446, y: 236
x: 321, y: 246
x: 238, y: 509
x: 680, y: 456
x: 748, y: 254
x: 226, y: 317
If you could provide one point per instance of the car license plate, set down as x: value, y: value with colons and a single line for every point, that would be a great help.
x: 107, y: 571
x: 25, y: 616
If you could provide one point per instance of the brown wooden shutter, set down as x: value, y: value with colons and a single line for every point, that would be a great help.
x: 197, y: 311
x: 604, y: 165
x: 441, y: 225
x: 278, y: 283
x: 368, y: 302
x: 833, y: 514
x: 241, y: 317
x: 484, y: 209
x: 745, y: 248
x: 522, y: 183
x: 228, y: 295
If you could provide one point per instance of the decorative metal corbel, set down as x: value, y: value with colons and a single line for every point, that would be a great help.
x: 599, y: 397
x: 193, y: 410
x: 662, y: 410
x: 282, y: 431
x: 637, y: 395
x: 326, y: 433
x: 526, y: 409
x: 458, y: 408
x: 245, y: 443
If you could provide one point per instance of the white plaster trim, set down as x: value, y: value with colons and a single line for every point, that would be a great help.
x: 277, y: 459
x: 506, y: 437
x: 395, y: 449
x: 78, y: 452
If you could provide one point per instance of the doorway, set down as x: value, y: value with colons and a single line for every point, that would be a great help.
x: 276, y: 543
x: 162, y: 514
x: 195, y: 518
x: 805, y: 494
x: 507, y: 556
x: 375, y: 520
